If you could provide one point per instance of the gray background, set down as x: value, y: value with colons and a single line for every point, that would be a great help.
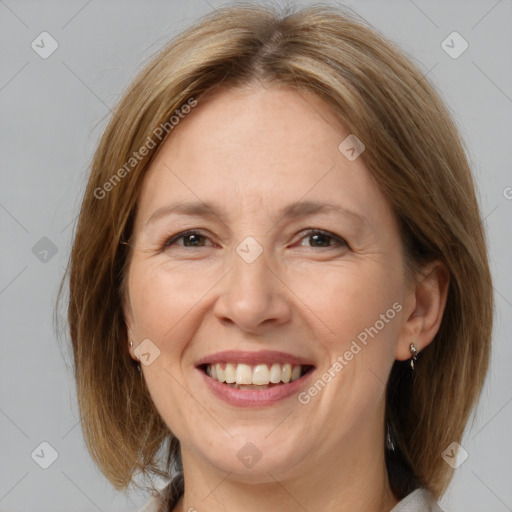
x: 52, y: 113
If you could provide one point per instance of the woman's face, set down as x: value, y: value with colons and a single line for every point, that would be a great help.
x: 296, y: 262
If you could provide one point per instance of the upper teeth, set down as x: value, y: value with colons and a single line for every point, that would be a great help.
x: 261, y: 374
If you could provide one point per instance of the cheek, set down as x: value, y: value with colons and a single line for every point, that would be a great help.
x: 165, y: 302
x: 349, y: 299
x: 163, y: 297
x: 362, y: 310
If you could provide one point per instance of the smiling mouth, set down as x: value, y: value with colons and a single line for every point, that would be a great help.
x: 255, y: 377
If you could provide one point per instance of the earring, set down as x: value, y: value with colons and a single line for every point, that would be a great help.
x: 414, y: 352
x: 138, y: 364
x: 390, y: 445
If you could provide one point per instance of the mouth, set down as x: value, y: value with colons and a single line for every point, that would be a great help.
x: 255, y: 377
x: 252, y: 379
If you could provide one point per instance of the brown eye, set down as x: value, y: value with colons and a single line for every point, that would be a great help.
x: 190, y: 238
x: 323, y: 239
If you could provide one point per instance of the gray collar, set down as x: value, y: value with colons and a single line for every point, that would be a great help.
x: 420, y: 500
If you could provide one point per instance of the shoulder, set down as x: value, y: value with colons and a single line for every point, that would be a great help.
x: 154, y: 504
x: 420, y: 500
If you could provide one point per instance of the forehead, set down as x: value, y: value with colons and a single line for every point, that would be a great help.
x: 262, y: 147
x: 279, y: 124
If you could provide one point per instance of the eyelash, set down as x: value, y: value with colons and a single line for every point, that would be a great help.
x: 340, y: 242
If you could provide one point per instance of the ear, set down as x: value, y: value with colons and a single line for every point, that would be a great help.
x: 423, y: 312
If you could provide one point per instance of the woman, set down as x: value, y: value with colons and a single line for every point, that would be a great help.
x: 279, y: 277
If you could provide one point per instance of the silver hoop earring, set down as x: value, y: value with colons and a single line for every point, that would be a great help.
x: 414, y: 352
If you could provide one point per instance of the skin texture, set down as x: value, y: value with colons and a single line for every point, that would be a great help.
x: 253, y: 151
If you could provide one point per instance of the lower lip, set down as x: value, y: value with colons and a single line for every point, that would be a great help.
x: 253, y: 397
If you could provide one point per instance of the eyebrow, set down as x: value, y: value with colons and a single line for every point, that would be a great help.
x: 291, y: 211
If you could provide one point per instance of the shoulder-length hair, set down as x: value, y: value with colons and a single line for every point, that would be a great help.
x: 414, y: 152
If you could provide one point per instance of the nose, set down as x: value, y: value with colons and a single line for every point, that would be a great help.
x: 253, y: 296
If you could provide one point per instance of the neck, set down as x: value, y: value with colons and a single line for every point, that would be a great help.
x: 353, y: 478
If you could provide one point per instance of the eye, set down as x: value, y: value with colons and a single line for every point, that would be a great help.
x: 191, y: 238
x: 323, y: 238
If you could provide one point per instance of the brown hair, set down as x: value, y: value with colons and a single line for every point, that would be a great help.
x: 414, y: 152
